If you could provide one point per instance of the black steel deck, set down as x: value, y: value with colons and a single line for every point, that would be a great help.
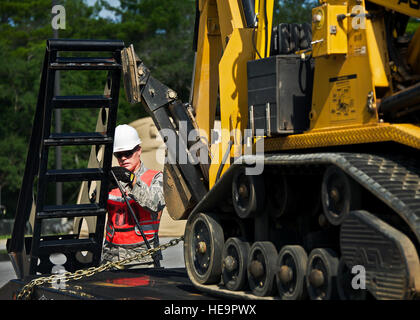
x: 138, y: 284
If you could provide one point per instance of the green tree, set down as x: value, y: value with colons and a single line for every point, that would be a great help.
x: 162, y: 34
x: 19, y: 82
x: 293, y: 11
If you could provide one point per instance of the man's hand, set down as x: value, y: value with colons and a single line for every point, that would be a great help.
x: 122, y: 174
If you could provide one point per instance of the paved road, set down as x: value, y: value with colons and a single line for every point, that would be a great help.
x: 6, y: 272
x: 173, y: 257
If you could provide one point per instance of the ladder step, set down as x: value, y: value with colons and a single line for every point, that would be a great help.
x: 83, y: 138
x: 70, y: 211
x: 74, y: 175
x: 92, y: 101
x: 63, y: 245
x: 85, y: 64
x: 84, y: 45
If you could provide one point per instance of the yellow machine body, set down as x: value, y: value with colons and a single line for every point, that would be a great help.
x: 351, y: 68
x: 340, y: 174
x: 329, y: 36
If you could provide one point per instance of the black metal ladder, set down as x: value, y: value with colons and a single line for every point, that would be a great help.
x: 42, y: 140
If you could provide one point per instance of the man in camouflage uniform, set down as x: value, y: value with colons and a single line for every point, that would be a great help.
x: 145, y: 195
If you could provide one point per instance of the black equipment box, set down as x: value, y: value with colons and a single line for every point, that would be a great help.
x: 279, y: 94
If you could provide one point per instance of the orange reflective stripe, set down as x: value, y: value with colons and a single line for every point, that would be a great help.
x: 148, y: 176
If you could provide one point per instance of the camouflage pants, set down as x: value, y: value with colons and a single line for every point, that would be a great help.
x: 114, y: 253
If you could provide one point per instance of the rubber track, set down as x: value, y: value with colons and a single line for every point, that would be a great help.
x: 392, y: 179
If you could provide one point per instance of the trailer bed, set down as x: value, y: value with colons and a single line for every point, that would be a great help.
x: 138, y: 284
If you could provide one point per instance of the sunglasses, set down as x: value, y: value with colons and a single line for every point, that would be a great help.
x: 126, y: 154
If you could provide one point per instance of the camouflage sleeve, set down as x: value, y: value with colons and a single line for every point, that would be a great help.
x: 149, y: 197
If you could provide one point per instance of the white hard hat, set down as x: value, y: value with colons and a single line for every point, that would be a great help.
x: 126, y: 138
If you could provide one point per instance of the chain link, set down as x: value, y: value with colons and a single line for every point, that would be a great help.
x: 28, y: 289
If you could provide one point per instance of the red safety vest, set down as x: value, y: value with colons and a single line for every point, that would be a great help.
x: 121, y: 228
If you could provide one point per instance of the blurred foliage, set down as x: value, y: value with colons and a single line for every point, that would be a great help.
x: 413, y: 25
x: 293, y: 11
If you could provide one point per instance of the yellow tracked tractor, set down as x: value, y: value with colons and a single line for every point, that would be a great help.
x: 310, y: 187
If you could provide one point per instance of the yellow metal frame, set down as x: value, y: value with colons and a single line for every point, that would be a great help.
x: 209, y: 48
x: 409, y: 7
x: 406, y: 134
x: 264, y: 13
x: 233, y: 97
x: 329, y: 36
x: 344, y: 84
x: 225, y: 46
x: 414, y: 52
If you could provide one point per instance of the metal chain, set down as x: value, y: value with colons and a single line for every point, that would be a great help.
x: 27, y: 290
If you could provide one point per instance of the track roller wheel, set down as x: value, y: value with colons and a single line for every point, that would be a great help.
x: 344, y: 288
x: 261, y: 268
x: 290, y: 278
x: 234, y: 266
x: 247, y: 193
x: 203, y: 247
x: 321, y: 274
x: 340, y: 195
